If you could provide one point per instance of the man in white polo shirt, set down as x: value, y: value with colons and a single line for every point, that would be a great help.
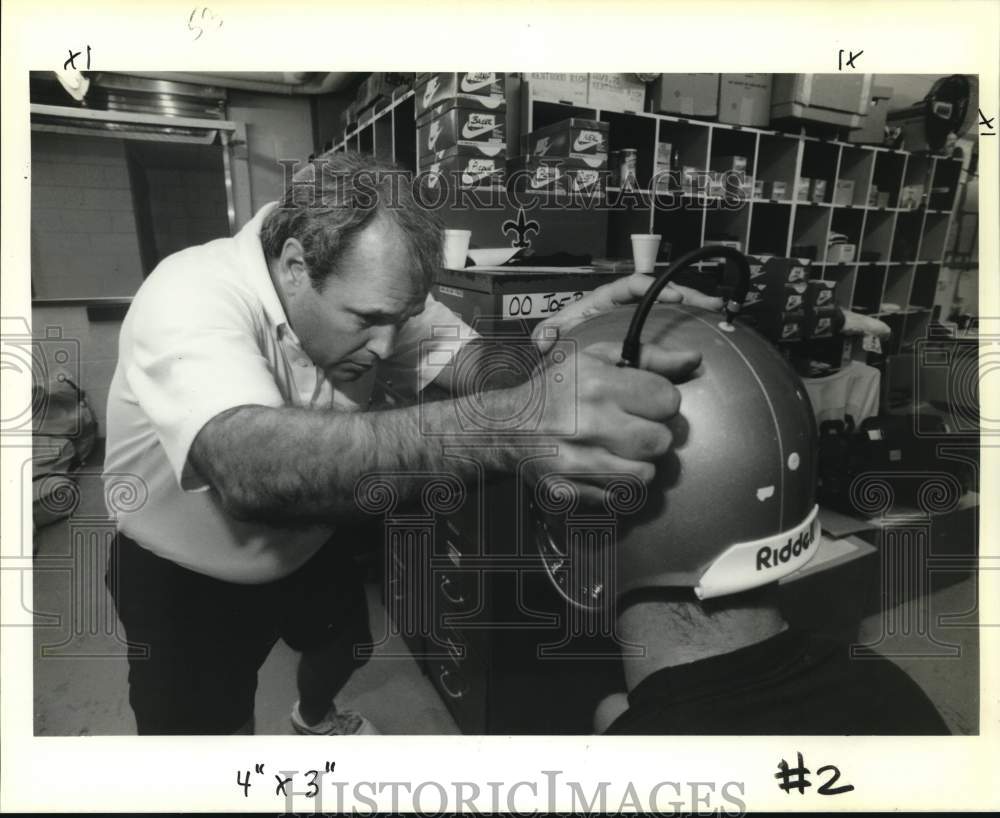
x: 243, y: 364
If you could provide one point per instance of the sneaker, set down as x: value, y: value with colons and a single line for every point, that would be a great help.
x: 334, y: 723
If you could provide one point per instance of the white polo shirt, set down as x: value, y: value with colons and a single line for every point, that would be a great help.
x: 206, y: 332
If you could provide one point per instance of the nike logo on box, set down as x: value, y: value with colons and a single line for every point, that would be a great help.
x: 432, y: 135
x: 478, y: 126
x: 478, y: 169
x: 586, y: 140
x: 474, y: 82
x: 430, y: 91
x: 542, y: 178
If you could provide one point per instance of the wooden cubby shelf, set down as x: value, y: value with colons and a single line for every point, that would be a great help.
x: 899, y: 250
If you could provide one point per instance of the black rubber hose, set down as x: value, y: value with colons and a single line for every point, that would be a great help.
x: 737, y: 291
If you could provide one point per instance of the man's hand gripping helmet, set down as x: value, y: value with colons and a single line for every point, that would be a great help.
x: 732, y: 506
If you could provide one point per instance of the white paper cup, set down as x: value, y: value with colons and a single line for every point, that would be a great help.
x: 456, y: 248
x: 645, y: 246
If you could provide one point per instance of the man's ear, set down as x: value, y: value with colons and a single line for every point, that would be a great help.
x: 292, y: 267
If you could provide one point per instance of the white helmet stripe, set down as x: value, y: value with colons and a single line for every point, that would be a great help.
x: 751, y: 564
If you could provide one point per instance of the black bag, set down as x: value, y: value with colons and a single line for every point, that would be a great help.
x: 64, y: 430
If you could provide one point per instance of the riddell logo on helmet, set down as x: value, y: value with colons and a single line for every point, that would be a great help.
x: 768, y: 557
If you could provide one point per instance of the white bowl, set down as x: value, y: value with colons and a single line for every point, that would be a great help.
x: 491, y: 256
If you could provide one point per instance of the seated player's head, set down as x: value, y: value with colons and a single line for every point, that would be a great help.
x: 732, y: 506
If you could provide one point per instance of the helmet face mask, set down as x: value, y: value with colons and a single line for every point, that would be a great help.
x: 732, y: 506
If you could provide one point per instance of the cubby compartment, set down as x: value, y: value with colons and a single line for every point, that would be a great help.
x: 898, y: 250
x: 689, y: 141
x: 726, y: 224
x: 544, y: 114
x: 844, y: 275
x: 383, y: 138
x: 918, y: 171
x: 934, y: 235
x: 769, y: 229
x: 622, y: 223
x: 819, y: 162
x: 898, y: 282
x: 682, y: 227
x: 869, y: 282
x: 635, y: 132
x: 888, y: 176
x: 906, y: 238
x: 925, y: 279
x: 726, y: 143
x: 916, y: 324
x: 776, y: 159
x: 809, y: 234
x: 366, y: 139
x: 848, y: 223
x: 877, y: 235
x: 856, y: 165
x: 946, y: 179
x: 405, y: 133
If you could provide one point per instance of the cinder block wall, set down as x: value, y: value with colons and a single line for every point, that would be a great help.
x: 83, y: 244
x: 83, y: 236
x: 188, y: 207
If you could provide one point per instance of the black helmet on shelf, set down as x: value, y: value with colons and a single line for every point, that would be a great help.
x: 733, y: 503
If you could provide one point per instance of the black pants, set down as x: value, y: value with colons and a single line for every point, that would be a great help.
x: 196, y: 643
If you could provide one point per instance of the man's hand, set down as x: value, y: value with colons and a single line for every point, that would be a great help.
x: 626, y: 290
x: 611, y: 419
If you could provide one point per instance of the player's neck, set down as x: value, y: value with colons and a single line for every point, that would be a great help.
x: 680, y: 632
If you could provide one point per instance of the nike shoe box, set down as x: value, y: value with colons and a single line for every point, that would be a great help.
x: 776, y: 297
x: 795, y: 298
x: 496, y: 151
x: 793, y: 328
x: 778, y: 271
x: 535, y: 173
x: 459, y: 169
x: 777, y: 300
x: 451, y: 124
x: 821, y: 322
x: 485, y: 88
x: 569, y: 139
x: 821, y: 294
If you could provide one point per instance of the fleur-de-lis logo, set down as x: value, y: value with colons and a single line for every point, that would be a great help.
x: 520, y: 228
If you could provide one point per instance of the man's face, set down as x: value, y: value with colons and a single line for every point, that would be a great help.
x: 352, y: 324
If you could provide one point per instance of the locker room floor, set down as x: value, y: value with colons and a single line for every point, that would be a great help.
x: 82, y: 689
x: 78, y: 692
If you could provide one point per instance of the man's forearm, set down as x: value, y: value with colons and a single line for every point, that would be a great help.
x: 292, y: 465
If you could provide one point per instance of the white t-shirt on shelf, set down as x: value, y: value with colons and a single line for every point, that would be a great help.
x: 854, y: 391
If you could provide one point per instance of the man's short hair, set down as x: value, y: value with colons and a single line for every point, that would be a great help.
x: 333, y: 198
